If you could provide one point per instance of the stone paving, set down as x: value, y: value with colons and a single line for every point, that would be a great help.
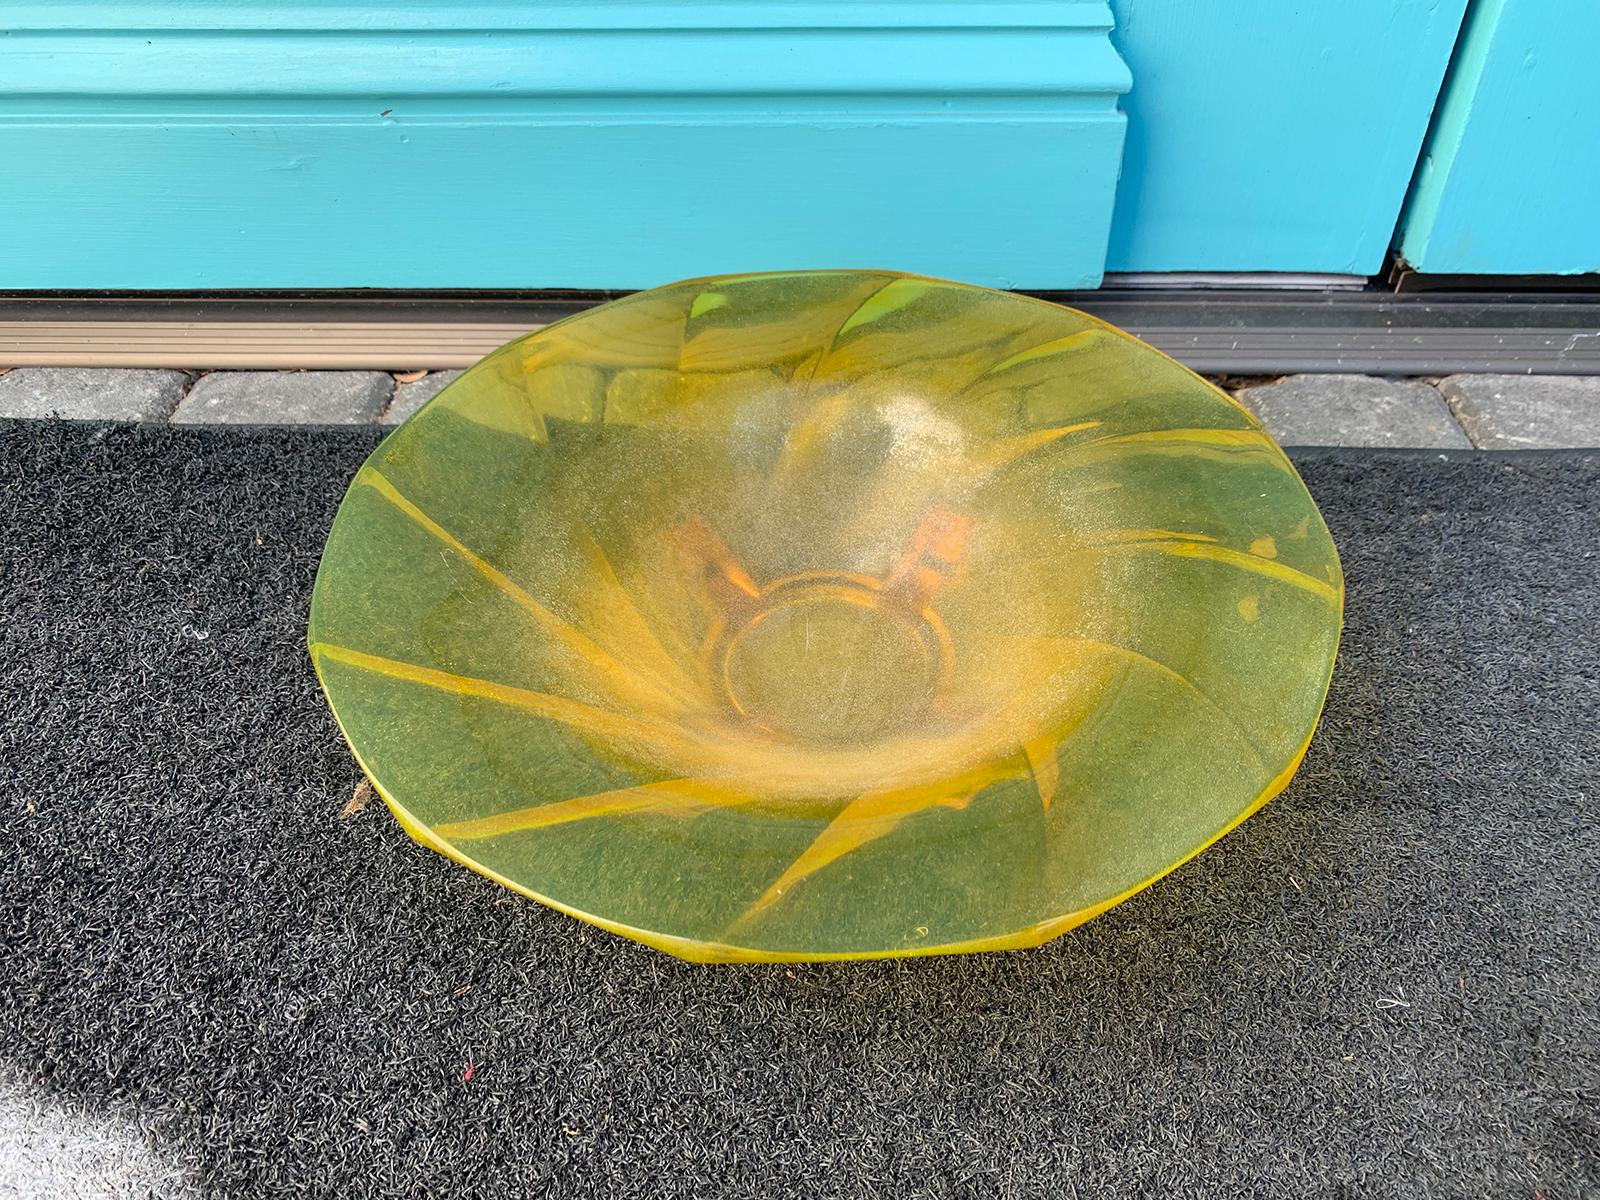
x: 91, y: 393
x: 1491, y: 412
x: 286, y: 398
x: 1354, y: 410
x: 1525, y: 412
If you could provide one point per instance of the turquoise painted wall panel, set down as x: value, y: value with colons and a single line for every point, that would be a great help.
x: 539, y: 204
x: 217, y: 144
x: 1266, y: 135
x: 1511, y: 180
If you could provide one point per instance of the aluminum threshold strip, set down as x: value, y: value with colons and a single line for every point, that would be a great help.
x: 1213, y: 331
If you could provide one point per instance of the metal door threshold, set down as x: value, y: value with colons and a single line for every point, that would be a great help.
x: 1238, y: 331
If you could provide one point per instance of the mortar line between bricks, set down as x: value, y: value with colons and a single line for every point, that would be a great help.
x: 1449, y: 408
x: 191, y: 378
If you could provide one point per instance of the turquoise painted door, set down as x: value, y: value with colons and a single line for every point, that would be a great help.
x: 564, y: 143
x: 1266, y: 135
x: 208, y: 144
x: 1511, y: 178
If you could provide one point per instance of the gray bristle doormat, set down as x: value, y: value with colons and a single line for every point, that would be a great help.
x: 1384, y: 984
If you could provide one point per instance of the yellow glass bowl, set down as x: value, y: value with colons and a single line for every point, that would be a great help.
x: 830, y: 614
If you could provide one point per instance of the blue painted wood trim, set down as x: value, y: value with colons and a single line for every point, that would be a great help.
x: 1265, y: 136
x: 1510, y: 183
x: 500, y: 15
x: 220, y: 144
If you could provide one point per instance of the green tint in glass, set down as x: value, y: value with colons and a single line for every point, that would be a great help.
x: 827, y: 615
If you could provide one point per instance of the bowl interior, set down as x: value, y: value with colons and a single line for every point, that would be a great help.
x: 827, y: 614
